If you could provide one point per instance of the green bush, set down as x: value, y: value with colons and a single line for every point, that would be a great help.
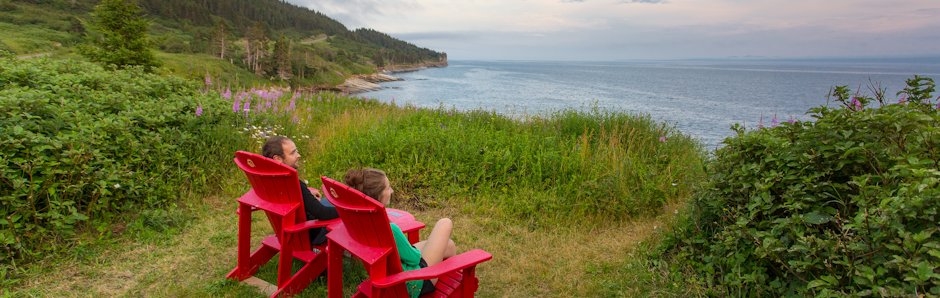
x: 81, y: 144
x: 845, y: 205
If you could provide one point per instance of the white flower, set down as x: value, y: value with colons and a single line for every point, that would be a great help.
x: 117, y: 185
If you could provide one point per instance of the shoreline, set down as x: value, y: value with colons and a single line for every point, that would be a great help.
x: 370, y: 82
x: 365, y: 83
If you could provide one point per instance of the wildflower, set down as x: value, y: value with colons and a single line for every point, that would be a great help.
x: 208, y: 80
x: 293, y: 104
x: 662, y: 139
x: 774, y: 121
x: 295, y: 119
x: 198, y: 110
x: 227, y: 94
x: 235, y: 105
x: 902, y: 99
x: 117, y: 185
x: 760, y: 123
x: 856, y: 104
x: 792, y: 120
x: 247, y: 106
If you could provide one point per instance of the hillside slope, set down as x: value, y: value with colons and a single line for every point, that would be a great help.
x: 247, y: 34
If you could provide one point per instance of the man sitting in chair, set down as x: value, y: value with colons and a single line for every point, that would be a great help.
x: 283, y: 150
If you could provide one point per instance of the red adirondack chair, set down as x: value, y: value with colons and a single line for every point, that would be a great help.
x: 366, y: 234
x: 275, y: 190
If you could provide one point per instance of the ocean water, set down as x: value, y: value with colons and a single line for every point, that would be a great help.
x: 700, y: 98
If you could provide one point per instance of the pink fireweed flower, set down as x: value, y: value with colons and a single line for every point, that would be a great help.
x: 235, y: 104
x: 247, y: 106
x: 774, y: 122
x: 662, y: 139
x: 856, y: 104
x: 792, y: 120
x: 208, y: 80
x: 227, y: 94
x: 198, y: 110
x: 760, y: 123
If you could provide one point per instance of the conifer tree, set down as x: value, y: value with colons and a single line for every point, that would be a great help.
x: 282, y: 59
x: 118, y: 36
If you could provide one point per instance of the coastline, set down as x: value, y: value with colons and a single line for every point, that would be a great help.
x: 365, y: 83
x: 370, y: 82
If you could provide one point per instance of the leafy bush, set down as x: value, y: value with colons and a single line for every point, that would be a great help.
x: 81, y: 144
x: 845, y: 205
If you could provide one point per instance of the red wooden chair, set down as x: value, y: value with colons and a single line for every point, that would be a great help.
x: 366, y: 234
x: 276, y: 191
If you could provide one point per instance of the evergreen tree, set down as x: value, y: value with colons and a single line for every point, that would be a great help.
x: 282, y: 58
x: 256, y: 48
x: 221, y: 39
x: 118, y: 36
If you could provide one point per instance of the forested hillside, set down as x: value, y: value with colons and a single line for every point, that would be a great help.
x: 270, y: 39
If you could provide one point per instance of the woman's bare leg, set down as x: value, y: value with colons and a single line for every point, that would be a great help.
x: 438, y: 245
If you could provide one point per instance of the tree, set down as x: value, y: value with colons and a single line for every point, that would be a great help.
x: 256, y: 48
x: 118, y: 36
x: 282, y: 60
x: 220, y: 38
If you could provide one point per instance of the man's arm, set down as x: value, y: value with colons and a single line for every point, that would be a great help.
x: 313, y: 207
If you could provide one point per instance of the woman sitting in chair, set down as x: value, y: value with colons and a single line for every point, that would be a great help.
x: 437, y: 247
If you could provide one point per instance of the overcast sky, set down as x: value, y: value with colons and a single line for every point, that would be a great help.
x: 649, y: 29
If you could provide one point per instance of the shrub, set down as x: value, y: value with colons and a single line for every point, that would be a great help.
x: 845, y: 205
x: 84, y: 145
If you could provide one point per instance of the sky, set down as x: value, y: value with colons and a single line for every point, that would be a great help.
x: 649, y: 29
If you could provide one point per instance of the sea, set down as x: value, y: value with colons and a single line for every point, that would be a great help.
x: 700, y: 98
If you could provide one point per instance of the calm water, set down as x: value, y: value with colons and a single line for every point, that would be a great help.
x: 700, y: 98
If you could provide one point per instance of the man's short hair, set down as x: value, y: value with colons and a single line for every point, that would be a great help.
x: 274, y: 146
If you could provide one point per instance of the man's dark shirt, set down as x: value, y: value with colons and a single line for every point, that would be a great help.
x: 315, y: 210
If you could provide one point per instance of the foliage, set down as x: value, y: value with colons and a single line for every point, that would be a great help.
x: 320, y: 55
x: 118, y: 36
x: 571, y: 164
x: 83, y: 146
x: 845, y: 205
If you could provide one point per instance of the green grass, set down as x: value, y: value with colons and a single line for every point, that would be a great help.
x: 24, y: 40
x: 197, y: 66
x: 565, y: 203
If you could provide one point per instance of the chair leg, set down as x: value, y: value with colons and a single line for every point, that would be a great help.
x: 243, y: 267
x: 302, y: 278
x: 334, y: 267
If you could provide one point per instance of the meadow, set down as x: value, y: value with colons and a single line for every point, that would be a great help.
x: 569, y: 204
x: 120, y: 183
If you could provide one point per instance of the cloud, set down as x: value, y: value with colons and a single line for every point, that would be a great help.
x: 608, y: 29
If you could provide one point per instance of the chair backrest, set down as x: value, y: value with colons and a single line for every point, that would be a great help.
x: 365, y: 226
x: 275, y: 189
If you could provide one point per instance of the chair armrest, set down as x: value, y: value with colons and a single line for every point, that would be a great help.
x: 459, y: 262
x: 311, y: 224
x: 410, y: 226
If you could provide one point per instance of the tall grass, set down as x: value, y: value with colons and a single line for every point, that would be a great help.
x: 588, y: 185
x: 569, y: 165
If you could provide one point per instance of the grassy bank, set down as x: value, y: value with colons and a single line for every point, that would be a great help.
x: 565, y: 203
